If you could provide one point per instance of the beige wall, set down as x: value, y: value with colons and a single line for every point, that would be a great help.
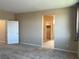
x: 2, y: 32
x: 31, y: 27
x: 7, y: 15
x: 31, y: 30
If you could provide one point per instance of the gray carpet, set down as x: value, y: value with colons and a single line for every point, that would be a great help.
x: 30, y: 52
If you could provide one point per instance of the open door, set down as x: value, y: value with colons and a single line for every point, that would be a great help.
x: 48, y: 31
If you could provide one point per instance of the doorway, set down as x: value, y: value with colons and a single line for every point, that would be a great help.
x: 48, y: 31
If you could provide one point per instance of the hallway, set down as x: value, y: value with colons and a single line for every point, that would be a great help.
x: 49, y: 44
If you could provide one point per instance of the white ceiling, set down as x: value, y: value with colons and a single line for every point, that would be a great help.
x: 19, y: 6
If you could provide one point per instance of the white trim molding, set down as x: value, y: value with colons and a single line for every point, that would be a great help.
x: 54, y: 48
x: 65, y: 50
x: 30, y: 44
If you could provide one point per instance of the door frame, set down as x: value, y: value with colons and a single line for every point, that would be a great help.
x: 51, y: 28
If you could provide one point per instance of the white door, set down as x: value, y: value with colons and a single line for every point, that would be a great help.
x: 12, y: 32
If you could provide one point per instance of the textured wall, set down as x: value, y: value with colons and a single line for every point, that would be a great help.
x: 31, y: 27
x: 6, y: 15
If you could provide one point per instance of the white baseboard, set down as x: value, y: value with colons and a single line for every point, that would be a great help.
x: 65, y: 50
x: 30, y: 44
x: 54, y: 48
